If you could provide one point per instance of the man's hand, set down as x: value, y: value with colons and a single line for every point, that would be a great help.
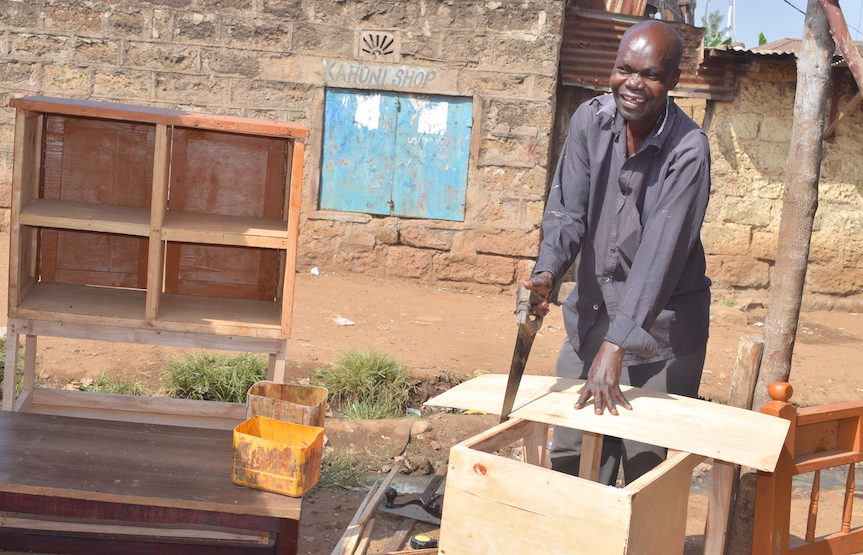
x: 603, y: 381
x: 542, y: 283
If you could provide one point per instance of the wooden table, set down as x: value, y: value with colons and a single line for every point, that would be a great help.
x: 120, y: 487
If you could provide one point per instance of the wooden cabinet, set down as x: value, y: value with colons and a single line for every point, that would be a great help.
x: 148, y: 225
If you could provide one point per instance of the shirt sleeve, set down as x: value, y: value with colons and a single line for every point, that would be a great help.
x: 563, y: 223
x: 668, y: 239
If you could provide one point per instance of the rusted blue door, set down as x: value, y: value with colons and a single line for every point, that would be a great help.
x: 395, y: 154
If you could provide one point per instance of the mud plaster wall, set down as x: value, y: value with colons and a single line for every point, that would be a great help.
x: 266, y: 59
x: 750, y: 139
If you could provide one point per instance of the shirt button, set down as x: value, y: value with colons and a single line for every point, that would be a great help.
x: 596, y: 307
x: 606, y: 279
x: 613, y: 249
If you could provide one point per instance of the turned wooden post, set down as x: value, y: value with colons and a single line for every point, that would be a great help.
x: 773, y: 489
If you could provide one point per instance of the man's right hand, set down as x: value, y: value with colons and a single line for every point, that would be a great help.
x: 542, y: 283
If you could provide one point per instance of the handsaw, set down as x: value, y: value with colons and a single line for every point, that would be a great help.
x: 528, y: 325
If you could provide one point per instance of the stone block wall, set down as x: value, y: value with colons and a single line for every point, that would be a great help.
x: 273, y: 59
x: 750, y: 139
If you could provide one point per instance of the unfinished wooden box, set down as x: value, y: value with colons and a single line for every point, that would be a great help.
x: 497, y: 504
x: 146, y: 225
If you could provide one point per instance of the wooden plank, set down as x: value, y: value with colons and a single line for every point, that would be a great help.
x: 56, y: 302
x: 276, y: 364
x: 126, y: 408
x: 499, y: 505
x: 151, y: 336
x: 191, y: 227
x: 659, y: 504
x: 591, y: 456
x: 89, y: 526
x: 700, y: 427
x: 11, y: 367
x: 158, y: 206
x: 535, y: 444
x: 110, y: 110
x: 723, y: 477
x: 26, y: 176
x: 120, y: 462
x: 293, y: 203
x: 86, y: 216
x: 351, y: 536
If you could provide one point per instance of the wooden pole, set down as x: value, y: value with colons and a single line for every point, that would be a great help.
x: 799, y: 203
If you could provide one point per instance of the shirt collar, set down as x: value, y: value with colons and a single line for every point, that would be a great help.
x: 662, y: 129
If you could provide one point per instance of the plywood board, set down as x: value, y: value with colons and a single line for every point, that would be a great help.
x: 709, y: 429
x: 512, y: 507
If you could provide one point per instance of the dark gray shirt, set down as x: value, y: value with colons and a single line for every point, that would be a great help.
x: 636, y: 221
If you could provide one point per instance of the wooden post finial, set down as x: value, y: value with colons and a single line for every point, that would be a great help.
x: 780, y: 391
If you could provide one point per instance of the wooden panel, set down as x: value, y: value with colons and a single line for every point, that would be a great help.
x: 815, y: 438
x: 26, y: 177
x: 221, y: 271
x: 110, y: 110
x: 97, y: 162
x: 708, y: 429
x: 84, y: 216
x: 120, y: 462
x: 231, y: 175
x: 659, y: 506
x: 498, y: 505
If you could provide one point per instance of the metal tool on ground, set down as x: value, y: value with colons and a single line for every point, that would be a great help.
x: 528, y: 325
x: 399, y: 538
x: 421, y: 541
x: 426, y: 510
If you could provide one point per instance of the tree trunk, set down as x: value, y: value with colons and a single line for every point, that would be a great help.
x: 799, y: 203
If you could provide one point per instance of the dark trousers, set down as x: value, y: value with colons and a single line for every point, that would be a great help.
x: 680, y: 375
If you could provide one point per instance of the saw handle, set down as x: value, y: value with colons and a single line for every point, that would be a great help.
x: 526, y: 298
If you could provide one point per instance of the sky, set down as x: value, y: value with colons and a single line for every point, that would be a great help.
x: 777, y: 19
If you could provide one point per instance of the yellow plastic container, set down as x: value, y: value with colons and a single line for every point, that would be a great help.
x: 276, y: 456
x: 287, y: 402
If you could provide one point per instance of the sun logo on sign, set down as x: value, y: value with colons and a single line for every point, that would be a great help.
x: 377, y: 44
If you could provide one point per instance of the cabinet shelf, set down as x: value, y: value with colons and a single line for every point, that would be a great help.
x: 86, y: 216
x: 242, y: 231
x: 120, y: 307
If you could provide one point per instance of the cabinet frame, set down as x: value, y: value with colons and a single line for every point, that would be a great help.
x: 148, y: 315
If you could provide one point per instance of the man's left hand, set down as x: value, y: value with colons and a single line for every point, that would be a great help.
x: 603, y: 381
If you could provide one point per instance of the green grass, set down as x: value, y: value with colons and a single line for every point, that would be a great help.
x: 366, y: 384
x: 110, y: 382
x: 213, y: 377
x: 342, y: 470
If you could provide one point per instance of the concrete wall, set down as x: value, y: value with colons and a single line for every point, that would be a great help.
x: 750, y: 139
x: 273, y: 59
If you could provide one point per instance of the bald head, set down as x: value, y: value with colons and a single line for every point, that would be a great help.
x: 658, y: 35
x: 646, y: 68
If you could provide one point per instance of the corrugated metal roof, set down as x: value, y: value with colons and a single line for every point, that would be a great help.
x: 589, y: 48
x: 783, y: 46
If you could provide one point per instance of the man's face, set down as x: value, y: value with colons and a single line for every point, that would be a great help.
x: 642, y: 77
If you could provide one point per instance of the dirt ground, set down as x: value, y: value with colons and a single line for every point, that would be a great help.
x: 445, y: 335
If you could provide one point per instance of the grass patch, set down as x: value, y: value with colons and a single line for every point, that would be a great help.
x: 342, y: 469
x: 366, y: 384
x: 110, y: 382
x: 213, y: 377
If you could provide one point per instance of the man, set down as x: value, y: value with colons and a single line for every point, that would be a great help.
x: 629, y: 194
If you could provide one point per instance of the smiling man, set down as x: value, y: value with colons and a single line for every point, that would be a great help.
x: 629, y: 194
